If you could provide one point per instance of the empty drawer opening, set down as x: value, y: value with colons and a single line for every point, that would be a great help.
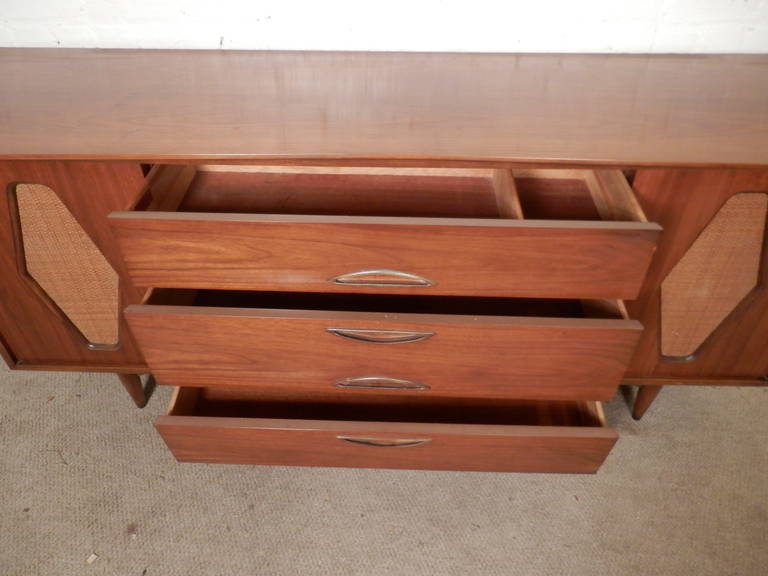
x: 334, y: 191
x: 394, y: 192
x: 242, y: 427
x: 393, y: 304
x: 246, y: 403
x: 576, y: 195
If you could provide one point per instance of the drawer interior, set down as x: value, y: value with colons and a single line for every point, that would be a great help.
x: 242, y: 427
x: 555, y: 194
x: 248, y: 403
x: 348, y: 192
x: 402, y: 304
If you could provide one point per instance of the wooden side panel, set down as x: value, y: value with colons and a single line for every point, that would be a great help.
x: 685, y: 202
x: 36, y: 333
x: 463, y: 356
x: 304, y: 253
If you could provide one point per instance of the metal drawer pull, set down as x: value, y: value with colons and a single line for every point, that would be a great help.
x: 381, y: 336
x: 385, y: 442
x: 382, y: 277
x: 381, y: 383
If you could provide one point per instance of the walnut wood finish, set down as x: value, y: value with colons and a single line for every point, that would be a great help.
x: 5, y: 352
x: 507, y: 199
x: 431, y: 192
x: 35, y: 331
x: 645, y: 397
x: 239, y: 430
x: 438, y: 110
x: 457, y: 256
x: 462, y: 257
x: 459, y: 350
x: 627, y: 110
x: 684, y: 202
x: 702, y: 381
x: 132, y: 384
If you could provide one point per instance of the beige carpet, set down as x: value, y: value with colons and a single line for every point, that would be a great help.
x: 83, y: 475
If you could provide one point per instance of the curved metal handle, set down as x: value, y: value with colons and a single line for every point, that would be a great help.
x: 385, y: 442
x: 381, y: 336
x: 381, y: 383
x: 382, y: 277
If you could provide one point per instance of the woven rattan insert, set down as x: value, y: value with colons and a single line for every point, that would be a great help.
x: 67, y: 265
x: 714, y: 275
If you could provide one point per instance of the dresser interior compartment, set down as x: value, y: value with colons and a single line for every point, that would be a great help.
x: 418, y: 192
x: 566, y: 194
x: 331, y: 191
x: 389, y: 303
x: 253, y: 427
x: 225, y: 402
x: 537, y: 194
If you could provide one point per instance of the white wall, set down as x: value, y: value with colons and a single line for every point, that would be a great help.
x: 476, y: 25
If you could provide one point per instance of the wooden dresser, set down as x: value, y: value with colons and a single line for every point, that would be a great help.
x: 436, y: 261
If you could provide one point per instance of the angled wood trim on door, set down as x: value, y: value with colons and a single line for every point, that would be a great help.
x: 33, y: 329
x: 684, y: 202
x: 64, y: 269
x: 715, y: 275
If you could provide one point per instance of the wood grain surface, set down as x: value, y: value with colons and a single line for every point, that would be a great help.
x: 476, y: 445
x: 429, y: 192
x: 684, y: 202
x: 627, y: 110
x: 464, y: 354
x: 292, y: 230
x: 35, y: 331
x: 460, y: 256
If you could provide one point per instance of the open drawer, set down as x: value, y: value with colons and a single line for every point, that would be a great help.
x: 241, y: 427
x: 540, y: 233
x: 366, y: 344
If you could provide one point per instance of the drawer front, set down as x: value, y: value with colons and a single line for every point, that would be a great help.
x: 440, y: 355
x: 430, y: 256
x: 375, y: 444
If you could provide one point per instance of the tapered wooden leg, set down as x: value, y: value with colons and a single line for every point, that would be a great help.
x: 132, y: 384
x: 645, y: 397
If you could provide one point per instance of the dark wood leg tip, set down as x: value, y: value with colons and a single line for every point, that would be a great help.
x: 132, y: 385
x: 645, y: 397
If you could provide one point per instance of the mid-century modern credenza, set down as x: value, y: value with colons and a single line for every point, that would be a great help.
x: 438, y: 261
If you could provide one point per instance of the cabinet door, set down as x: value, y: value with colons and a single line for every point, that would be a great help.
x: 62, y: 288
x: 704, y: 303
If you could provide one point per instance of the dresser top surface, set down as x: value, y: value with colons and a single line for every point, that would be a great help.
x: 377, y: 108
